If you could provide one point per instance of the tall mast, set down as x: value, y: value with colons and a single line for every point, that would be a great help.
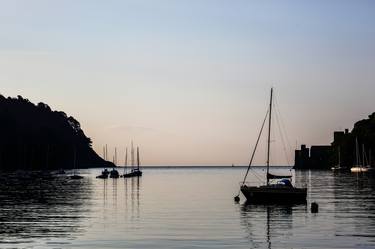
x: 115, y: 156
x: 356, y: 151
x: 106, y: 152
x: 269, y: 137
x: 369, y: 163
x: 132, y: 155
x: 126, y: 159
x: 138, y: 157
x: 363, y: 155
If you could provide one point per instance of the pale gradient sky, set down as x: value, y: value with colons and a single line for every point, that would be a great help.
x: 189, y: 80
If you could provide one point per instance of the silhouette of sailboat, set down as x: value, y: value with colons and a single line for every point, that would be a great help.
x: 75, y: 176
x: 114, y: 173
x: 134, y: 171
x: 359, y: 167
x: 281, y: 192
x: 338, y: 166
x: 105, y: 172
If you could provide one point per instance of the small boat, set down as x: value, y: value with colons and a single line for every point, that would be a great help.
x: 75, y: 176
x: 114, y: 174
x: 281, y: 191
x: 104, y: 174
x: 359, y: 167
x: 338, y: 166
x: 135, y: 171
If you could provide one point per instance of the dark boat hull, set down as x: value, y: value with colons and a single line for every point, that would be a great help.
x: 274, y: 195
x: 76, y: 177
x: 133, y: 174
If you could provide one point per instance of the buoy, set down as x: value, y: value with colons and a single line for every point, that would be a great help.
x: 314, y: 207
x: 237, y: 198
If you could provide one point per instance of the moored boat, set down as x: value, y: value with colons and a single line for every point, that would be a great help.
x: 281, y: 191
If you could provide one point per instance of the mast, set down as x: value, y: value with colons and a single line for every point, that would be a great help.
x: 106, y: 152
x: 126, y: 159
x: 132, y: 155
x: 115, y: 156
x: 138, y: 158
x: 269, y: 137
x: 369, y: 163
x: 356, y: 151
x: 363, y: 155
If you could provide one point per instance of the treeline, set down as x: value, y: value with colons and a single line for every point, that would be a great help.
x: 364, y: 133
x: 35, y: 137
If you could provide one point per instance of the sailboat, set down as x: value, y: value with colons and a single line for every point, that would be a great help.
x: 134, y: 171
x: 338, y: 166
x: 280, y: 192
x: 125, y: 162
x: 114, y: 173
x: 358, y: 167
x: 75, y: 176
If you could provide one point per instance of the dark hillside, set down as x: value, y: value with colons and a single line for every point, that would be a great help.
x: 35, y: 137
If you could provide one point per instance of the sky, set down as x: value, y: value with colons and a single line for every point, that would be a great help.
x: 188, y: 80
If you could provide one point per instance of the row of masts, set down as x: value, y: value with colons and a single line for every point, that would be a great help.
x: 364, y: 161
x: 134, y: 161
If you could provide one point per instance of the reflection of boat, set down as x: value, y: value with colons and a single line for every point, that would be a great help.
x: 281, y: 191
x: 271, y: 218
x: 134, y: 171
x: 359, y: 167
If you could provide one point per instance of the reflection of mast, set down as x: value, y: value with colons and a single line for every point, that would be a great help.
x: 268, y: 228
x: 255, y: 216
x: 135, y: 190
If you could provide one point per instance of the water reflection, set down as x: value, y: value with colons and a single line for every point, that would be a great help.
x: 127, y: 190
x: 31, y: 209
x: 267, y: 224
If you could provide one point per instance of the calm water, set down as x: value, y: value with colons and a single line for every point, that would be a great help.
x: 183, y: 208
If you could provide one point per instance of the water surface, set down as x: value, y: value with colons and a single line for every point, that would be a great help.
x: 184, y: 208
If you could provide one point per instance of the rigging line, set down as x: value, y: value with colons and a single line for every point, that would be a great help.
x: 281, y: 135
x: 283, y: 128
x: 285, y: 132
x: 255, y: 148
x: 257, y: 176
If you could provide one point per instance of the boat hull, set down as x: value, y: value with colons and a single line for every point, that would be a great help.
x: 133, y: 174
x: 274, y: 195
x: 357, y: 169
